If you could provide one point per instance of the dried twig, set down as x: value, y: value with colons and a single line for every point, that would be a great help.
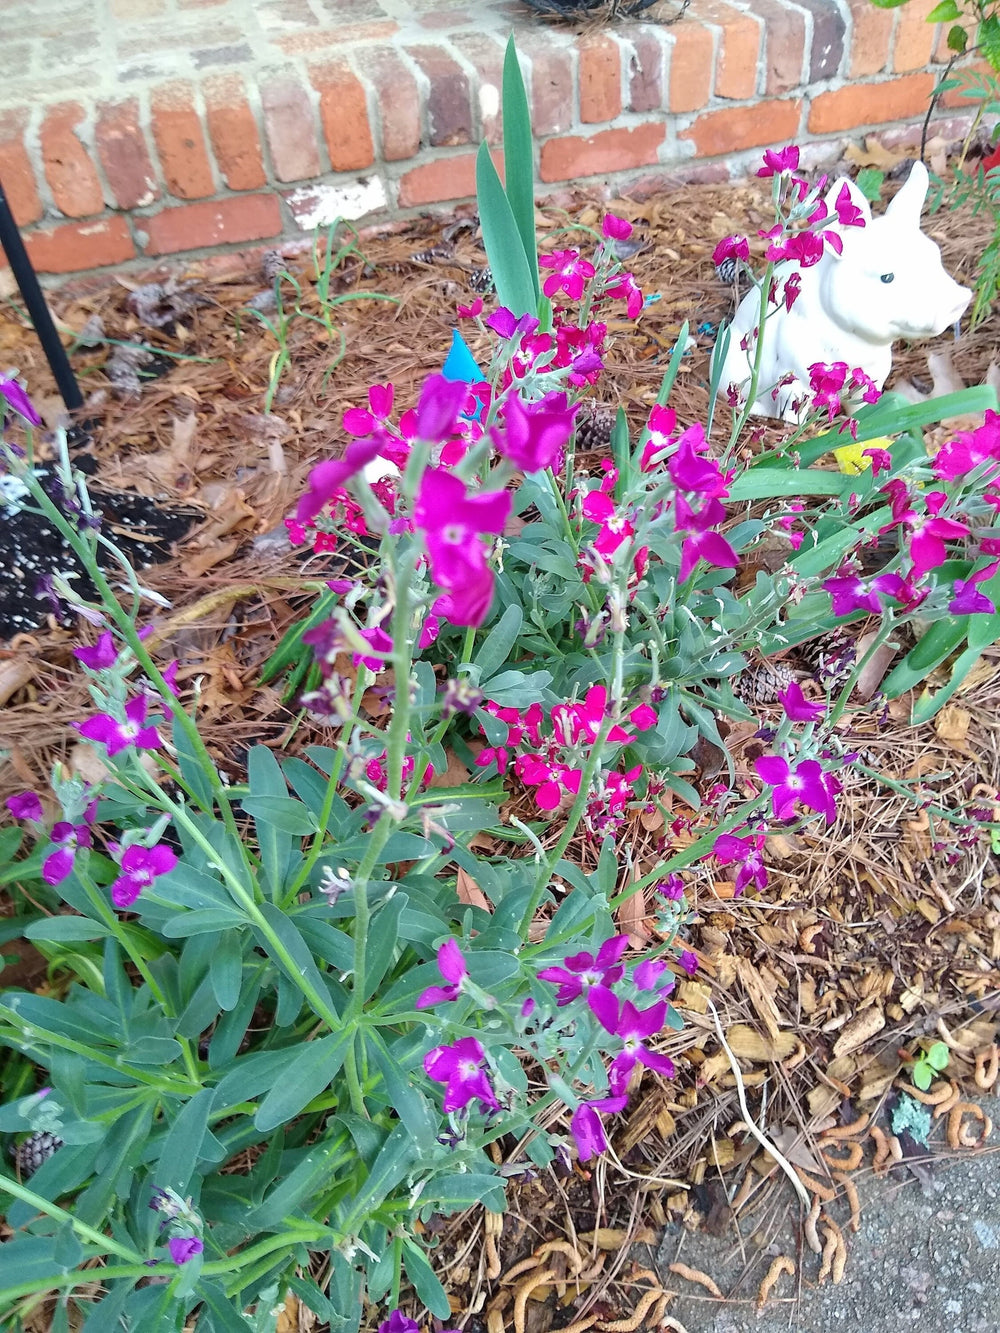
x: 758, y: 1134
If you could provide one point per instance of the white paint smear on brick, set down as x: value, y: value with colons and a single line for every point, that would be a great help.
x: 321, y: 205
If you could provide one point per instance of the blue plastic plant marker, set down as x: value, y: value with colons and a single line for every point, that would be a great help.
x: 460, y: 364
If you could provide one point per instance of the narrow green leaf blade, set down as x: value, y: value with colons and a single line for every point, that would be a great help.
x: 518, y: 159
x: 502, y: 240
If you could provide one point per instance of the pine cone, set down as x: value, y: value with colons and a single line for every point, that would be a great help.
x: 762, y: 682
x: 830, y: 658
x: 481, y: 280
x: 594, y: 427
x: 36, y: 1149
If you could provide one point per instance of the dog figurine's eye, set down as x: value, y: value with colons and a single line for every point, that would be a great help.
x: 887, y: 277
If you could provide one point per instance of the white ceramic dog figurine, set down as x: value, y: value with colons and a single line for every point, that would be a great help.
x: 888, y: 283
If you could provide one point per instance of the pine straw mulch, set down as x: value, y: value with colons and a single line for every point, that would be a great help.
x: 866, y: 940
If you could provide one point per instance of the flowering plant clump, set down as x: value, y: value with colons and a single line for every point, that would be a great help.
x: 312, y: 1001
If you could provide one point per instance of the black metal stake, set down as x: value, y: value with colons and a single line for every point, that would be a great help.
x: 38, y: 310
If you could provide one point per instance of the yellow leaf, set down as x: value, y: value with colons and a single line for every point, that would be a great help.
x: 852, y: 459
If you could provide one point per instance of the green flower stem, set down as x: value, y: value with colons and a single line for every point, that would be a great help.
x: 590, y: 768
x: 396, y: 742
x: 85, y: 1232
x: 130, y: 634
x: 34, y: 1039
x: 744, y: 416
x: 67, y: 1281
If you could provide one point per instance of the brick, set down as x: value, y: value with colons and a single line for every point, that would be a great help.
x: 319, y: 39
x: 398, y: 100
x: 826, y: 51
x: 290, y: 127
x: 80, y: 245
x: 604, y: 152
x: 485, y: 54
x: 739, y: 50
x: 600, y: 79
x: 233, y: 132
x: 130, y: 10
x: 871, y: 38
x: 449, y: 112
x: 442, y: 180
x: 913, y: 41
x: 240, y: 53
x: 251, y: 217
x: 861, y: 104
x: 658, y: 182
x: 551, y: 86
x: 434, y: 182
x: 691, y: 67
x: 76, y: 191
x: 729, y: 131
x: 15, y: 169
x: 784, y: 45
x: 343, y: 112
x: 180, y: 142
x: 646, y: 70
x: 124, y: 154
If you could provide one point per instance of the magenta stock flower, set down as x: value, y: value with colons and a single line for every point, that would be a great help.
x: 625, y: 288
x: 806, y: 783
x: 826, y: 382
x: 805, y: 247
x: 687, y: 962
x: 615, y: 228
x: 140, y: 866
x: 672, y: 887
x: 709, y: 546
x: 848, y: 213
x: 18, y: 399
x: 731, y: 247
x: 662, y: 430
x: 380, y: 642
x: 729, y: 850
x: 120, y: 735
x: 633, y: 1026
x: 929, y: 534
x: 358, y: 421
x: 103, y: 654
x: 534, y: 435
x: 969, y: 450
x: 505, y: 324
x: 184, y: 1248
x: 797, y: 706
x: 398, y: 1323
x: 570, y: 273
x: 968, y: 599
x: 615, y: 525
x: 67, y: 839
x: 328, y: 477
x: 458, y: 1066
x: 587, y: 1129
x: 851, y: 593
x: 881, y: 459
x: 583, y: 970
x: 691, y: 470
x: 779, y: 160
x: 441, y: 403
x: 452, y: 521
x: 452, y: 967
x: 26, y: 805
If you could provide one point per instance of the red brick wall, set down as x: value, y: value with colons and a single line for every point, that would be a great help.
x: 248, y: 155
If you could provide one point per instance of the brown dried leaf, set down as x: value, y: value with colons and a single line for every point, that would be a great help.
x: 860, y: 1030
x: 873, y: 671
x: 14, y: 674
x: 952, y: 725
x: 748, y: 1044
x: 468, y: 891
x: 873, y: 155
